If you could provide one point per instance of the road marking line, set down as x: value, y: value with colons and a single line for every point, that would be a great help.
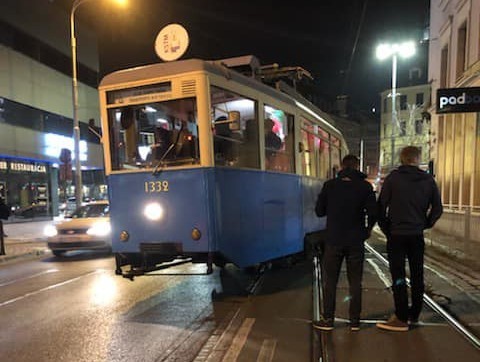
x: 239, y: 340
x: 267, y: 351
x: 28, y: 277
x: 380, y: 273
x: 47, y: 288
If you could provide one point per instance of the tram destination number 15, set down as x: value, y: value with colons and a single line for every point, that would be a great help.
x: 156, y: 186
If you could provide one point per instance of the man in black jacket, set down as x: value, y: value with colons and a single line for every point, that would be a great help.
x: 408, y: 204
x: 349, y: 203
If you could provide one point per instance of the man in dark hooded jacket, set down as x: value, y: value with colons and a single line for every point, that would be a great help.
x: 408, y: 204
x: 349, y: 203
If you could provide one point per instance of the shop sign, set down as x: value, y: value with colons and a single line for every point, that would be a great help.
x: 28, y: 167
x: 458, y: 100
x: 3, y: 165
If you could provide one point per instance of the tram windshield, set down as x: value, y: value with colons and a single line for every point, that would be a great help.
x: 154, y: 134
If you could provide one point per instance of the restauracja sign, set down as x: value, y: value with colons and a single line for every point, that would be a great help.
x: 458, y: 100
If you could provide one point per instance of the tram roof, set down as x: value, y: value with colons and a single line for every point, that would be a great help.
x: 157, y: 70
x: 217, y: 67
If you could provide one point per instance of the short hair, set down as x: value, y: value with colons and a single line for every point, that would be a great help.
x: 410, y: 155
x: 350, y: 161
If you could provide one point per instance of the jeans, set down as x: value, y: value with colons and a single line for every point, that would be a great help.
x: 332, y: 262
x: 412, y: 248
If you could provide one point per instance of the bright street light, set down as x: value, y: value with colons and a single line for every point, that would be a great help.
x: 76, y: 124
x: 385, y: 51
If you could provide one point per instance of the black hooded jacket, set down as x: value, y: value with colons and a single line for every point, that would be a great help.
x: 409, y: 202
x: 349, y: 203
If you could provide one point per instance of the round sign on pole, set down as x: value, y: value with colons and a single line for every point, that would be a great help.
x: 171, y: 42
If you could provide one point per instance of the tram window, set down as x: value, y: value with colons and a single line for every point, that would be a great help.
x: 279, y: 140
x: 235, y: 129
x: 321, y: 150
x: 323, y: 158
x: 309, y: 156
x: 148, y: 134
x: 335, y: 155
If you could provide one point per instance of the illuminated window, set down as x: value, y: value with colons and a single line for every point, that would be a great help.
x: 235, y: 124
x: 279, y: 140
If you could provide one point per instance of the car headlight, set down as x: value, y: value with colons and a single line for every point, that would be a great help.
x: 153, y: 211
x: 101, y: 228
x: 49, y: 231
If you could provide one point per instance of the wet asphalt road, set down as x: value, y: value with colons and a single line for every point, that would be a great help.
x: 76, y: 309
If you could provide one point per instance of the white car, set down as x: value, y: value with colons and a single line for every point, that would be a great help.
x: 88, y: 228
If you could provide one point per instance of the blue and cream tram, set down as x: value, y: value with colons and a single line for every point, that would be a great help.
x: 206, y: 163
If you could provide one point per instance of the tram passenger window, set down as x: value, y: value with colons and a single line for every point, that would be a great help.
x: 235, y: 129
x: 324, y: 154
x: 335, y: 155
x: 273, y: 144
x: 309, y: 156
x: 279, y: 140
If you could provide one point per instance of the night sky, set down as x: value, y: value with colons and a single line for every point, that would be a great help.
x: 319, y: 37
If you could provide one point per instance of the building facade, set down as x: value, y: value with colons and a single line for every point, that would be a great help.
x: 410, y: 128
x: 36, y: 106
x: 454, y: 62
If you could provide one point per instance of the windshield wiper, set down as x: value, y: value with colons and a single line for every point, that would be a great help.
x: 165, y: 154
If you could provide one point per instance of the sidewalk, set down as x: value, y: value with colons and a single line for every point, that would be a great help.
x: 24, y: 240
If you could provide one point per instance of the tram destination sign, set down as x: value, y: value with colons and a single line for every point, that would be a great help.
x: 458, y: 100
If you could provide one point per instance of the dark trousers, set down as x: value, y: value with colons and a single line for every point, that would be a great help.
x: 332, y: 262
x: 399, y: 248
x: 2, y: 240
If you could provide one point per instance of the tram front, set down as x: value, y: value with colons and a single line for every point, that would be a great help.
x: 153, y: 143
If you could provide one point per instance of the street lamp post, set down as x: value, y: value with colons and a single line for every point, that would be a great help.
x: 76, y: 123
x: 384, y: 51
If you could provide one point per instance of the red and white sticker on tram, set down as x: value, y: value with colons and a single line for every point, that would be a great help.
x: 171, y: 42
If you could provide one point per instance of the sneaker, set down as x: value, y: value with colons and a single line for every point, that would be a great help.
x: 393, y: 324
x: 355, y: 326
x: 323, y: 324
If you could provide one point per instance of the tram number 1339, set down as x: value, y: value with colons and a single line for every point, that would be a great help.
x: 156, y: 186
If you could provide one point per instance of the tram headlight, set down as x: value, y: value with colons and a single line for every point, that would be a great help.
x: 101, y: 228
x: 49, y: 231
x: 153, y: 211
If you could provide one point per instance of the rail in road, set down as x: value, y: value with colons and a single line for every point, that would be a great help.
x: 444, y: 333
x: 184, y: 315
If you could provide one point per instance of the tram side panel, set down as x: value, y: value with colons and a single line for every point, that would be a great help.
x: 258, y: 215
x: 311, y: 187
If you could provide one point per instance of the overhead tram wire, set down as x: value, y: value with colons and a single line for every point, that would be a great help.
x: 354, y: 48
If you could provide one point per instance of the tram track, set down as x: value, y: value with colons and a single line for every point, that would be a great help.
x: 449, y: 318
x: 322, y: 349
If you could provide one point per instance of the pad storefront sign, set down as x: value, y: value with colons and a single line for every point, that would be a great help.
x: 458, y: 100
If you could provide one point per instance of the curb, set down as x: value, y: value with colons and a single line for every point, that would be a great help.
x: 33, y: 254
